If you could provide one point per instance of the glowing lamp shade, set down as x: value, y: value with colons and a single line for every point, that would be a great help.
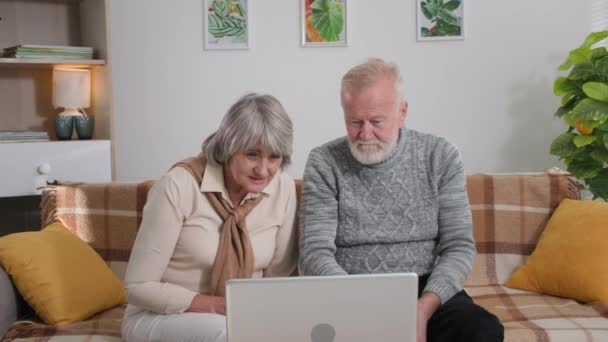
x: 71, y: 90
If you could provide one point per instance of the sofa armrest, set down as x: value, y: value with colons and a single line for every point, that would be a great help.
x: 9, y: 310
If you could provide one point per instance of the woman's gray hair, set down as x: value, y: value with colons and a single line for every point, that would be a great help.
x: 253, y: 119
x: 362, y: 76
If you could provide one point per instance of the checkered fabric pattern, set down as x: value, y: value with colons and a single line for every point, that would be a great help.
x: 106, y: 216
x: 509, y: 214
x: 103, y: 327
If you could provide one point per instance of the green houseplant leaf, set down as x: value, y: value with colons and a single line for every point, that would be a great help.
x: 591, y: 110
x: 601, y: 68
x: 567, y: 64
x: 580, y: 55
x: 600, y: 155
x: 583, y: 140
x: 599, y: 185
x: 594, y: 37
x: 599, y: 52
x: 570, y: 119
x: 561, y: 111
x: 563, y: 146
x: 585, y: 169
x: 596, y: 90
x: 328, y: 18
x: 582, y: 71
x: 563, y: 85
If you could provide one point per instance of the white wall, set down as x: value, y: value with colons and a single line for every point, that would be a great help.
x: 490, y: 94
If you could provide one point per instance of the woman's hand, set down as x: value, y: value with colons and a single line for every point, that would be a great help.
x: 208, y: 304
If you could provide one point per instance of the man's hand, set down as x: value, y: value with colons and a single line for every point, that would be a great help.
x: 208, y: 304
x: 427, y: 305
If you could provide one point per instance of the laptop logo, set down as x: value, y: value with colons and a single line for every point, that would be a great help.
x: 322, y: 332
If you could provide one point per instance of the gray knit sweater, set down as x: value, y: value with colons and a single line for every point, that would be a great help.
x: 409, y: 213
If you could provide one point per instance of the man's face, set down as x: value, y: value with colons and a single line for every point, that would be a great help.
x: 373, y: 118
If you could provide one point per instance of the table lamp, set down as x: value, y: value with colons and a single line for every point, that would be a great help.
x: 72, y: 91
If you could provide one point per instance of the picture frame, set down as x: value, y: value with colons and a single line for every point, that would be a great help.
x: 227, y: 24
x: 323, y: 23
x: 440, y: 20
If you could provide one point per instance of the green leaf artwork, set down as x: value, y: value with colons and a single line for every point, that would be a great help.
x: 328, y: 18
x: 228, y: 19
x: 444, y: 18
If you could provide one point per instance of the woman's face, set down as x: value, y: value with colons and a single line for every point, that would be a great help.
x: 251, y: 170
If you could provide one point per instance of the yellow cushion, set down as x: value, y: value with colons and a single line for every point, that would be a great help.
x: 571, y: 257
x: 62, y: 278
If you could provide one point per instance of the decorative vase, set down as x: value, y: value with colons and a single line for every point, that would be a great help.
x: 64, y: 126
x: 84, y: 126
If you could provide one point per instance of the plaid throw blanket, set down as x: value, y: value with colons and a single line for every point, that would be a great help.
x: 103, y: 327
x: 106, y: 216
x: 509, y: 214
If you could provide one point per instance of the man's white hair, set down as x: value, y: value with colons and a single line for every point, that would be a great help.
x: 364, y: 75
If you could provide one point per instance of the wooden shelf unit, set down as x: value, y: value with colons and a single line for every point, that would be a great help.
x: 26, y: 83
x: 49, y: 63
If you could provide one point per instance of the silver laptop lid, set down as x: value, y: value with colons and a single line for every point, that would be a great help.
x: 380, y: 307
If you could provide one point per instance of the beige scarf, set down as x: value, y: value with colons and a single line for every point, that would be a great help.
x: 234, y: 258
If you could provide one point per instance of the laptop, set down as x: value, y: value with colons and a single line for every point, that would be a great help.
x: 352, y: 308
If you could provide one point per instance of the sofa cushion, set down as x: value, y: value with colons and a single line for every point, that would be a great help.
x: 59, y: 275
x: 571, y: 257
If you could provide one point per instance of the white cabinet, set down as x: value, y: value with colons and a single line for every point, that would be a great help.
x: 28, y: 166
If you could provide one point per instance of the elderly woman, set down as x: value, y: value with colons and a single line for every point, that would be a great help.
x: 228, y: 213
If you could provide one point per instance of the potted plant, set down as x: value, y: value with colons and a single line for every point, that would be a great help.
x: 584, y: 108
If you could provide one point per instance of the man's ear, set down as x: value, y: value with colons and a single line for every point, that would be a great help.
x: 402, y: 113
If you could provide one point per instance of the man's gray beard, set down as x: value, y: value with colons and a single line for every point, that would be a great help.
x: 369, y: 158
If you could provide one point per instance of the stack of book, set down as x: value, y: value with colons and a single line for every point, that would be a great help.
x: 48, y: 52
x: 23, y: 136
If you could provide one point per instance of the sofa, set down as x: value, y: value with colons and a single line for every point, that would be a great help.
x: 509, y: 214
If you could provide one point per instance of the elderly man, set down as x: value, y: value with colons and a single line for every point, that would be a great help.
x: 389, y: 199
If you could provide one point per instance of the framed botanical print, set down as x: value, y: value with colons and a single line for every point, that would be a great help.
x: 440, y: 19
x: 323, y: 22
x: 227, y: 24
